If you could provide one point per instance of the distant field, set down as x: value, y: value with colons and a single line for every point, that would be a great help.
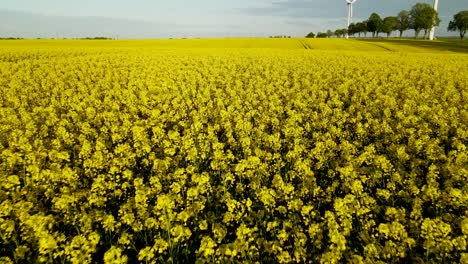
x: 394, y: 45
x: 233, y: 151
x: 412, y: 45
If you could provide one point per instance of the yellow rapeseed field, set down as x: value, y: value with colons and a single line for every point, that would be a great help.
x: 232, y: 150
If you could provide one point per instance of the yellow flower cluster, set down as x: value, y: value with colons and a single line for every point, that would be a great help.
x: 135, y: 153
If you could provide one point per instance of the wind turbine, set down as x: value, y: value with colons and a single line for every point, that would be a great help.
x: 350, y: 13
x: 431, y: 34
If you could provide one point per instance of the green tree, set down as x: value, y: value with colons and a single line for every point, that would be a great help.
x: 423, y: 17
x: 322, y: 35
x: 337, y: 33
x: 361, y: 27
x: 340, y: 33
x: 389, y: 25
x: 310, y: 35
x: 403, y: 22
x: 330, y: 33
x: 352, y: 29
x: 374, y: 24
x: 345, y: 31
x: 459, y: 23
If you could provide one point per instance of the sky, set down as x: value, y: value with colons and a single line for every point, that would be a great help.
x: 155, y: 19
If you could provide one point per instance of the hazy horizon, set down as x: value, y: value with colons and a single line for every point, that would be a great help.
x: 143, y: 19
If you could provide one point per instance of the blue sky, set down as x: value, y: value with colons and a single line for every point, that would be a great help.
x: 202, y: 18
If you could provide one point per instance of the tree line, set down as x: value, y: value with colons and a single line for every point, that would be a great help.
x: 421, y: 18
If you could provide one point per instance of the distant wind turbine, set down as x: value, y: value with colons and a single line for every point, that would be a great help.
x: 350, y: 13
x: 431, y: 34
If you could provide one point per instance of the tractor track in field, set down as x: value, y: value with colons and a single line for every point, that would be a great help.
x: 382, y: 47
x: 304, y: 44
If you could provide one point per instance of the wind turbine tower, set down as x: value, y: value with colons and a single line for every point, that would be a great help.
x: 431, y: 34
x: 350, y: 13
